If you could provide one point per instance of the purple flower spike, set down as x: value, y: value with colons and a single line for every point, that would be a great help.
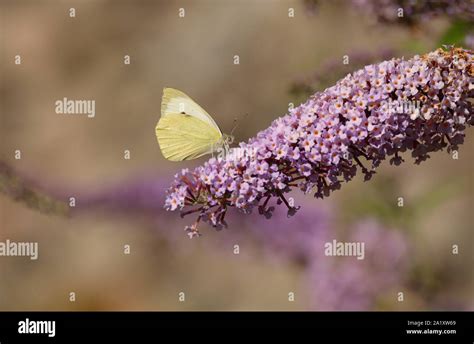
x: 421, y: 104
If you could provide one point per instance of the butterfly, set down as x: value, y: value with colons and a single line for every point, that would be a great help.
x: 185, y: 130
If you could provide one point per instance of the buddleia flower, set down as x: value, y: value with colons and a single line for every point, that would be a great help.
x: 421, y: 105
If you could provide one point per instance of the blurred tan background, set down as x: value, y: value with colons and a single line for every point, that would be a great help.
x: 82, y: 58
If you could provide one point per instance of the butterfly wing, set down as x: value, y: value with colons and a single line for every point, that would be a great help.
x: 183, y: 137
x: 177, y: 102
x: 185, y: 131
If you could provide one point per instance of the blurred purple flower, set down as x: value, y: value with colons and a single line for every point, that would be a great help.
x: 387, y: 11
x: 332, y: 131
x: 298, y: 238
x: 345, y: 283
x: 333, y: 282
x: 144, y: 194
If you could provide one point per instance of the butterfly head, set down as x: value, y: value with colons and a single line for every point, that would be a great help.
x: 221, y: 149
x: 227, y: 140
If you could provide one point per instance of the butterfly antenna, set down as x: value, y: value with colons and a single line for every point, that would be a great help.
x: 236, y: 124
x: 234, y: 127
